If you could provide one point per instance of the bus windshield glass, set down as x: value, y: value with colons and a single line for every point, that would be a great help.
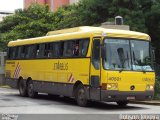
x: 123, y: 54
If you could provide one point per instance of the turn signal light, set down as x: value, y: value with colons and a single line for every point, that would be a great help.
x: 149, y: 87
x: 112, y: 86
x: 104, y: 86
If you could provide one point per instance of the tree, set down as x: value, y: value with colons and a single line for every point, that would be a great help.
x: 35, y: 21
x: 153, y: 25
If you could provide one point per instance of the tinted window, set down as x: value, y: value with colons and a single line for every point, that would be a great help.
x: 16, y: 52
x: 61, y: 49
x: 68, y: 48
x: 83, y: 48
x: 96, y: 54
x: 37, y: 50
x: 76, y: 48
x: 13, y: 52
x: 32, y: 51
x: 55, y: 49
x: 24, y: 52
x: 9, y: 53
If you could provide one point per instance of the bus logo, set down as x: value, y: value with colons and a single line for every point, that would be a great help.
x: 132, y: 87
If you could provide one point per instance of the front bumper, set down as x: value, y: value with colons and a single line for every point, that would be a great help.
x: 114, y: 96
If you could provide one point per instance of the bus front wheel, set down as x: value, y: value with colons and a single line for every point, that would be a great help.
x: 81, y: 98
x: 122, y: 103
x: 30, y: 90
x: 22, y: 88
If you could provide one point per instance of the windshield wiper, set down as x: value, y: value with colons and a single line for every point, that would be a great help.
x: 121, y: 70
x: 143, y: 70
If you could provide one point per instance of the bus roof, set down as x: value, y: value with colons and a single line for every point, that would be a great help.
x: 80, y: 32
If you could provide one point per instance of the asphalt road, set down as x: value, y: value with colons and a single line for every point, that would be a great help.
x: 12, y: 103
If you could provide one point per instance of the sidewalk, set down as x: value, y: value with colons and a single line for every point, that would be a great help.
x: 4, y: 86
x: 152, y: 102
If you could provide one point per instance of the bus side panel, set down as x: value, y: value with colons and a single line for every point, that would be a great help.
x: 54, y: 76
x: 11, y: 73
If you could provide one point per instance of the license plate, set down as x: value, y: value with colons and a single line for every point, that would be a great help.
x: 131, y: 98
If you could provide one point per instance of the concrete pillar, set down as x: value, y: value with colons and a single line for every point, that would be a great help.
x: 2, y: 67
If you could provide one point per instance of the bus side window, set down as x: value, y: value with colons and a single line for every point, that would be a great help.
x: 76, y: 47
x: 68, y: 49
x: 55, y: 49
x: 83, y: 44
x: 18, y: 52
x: 50, y: 50
x: 37, y: 51
x: 44, y: 50
x: 31, y: 51
x: 11, y: 53
x: 22, y: 53
x: 61, y: 49
x: 14, y: 53
x: 47, y: 50
x: 96, y: 54
x: 27, y: 51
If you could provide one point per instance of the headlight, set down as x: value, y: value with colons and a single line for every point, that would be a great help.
x: 149, y: 87
x: 112, y: 86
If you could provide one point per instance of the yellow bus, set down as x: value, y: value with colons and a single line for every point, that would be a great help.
x: 87, y: 63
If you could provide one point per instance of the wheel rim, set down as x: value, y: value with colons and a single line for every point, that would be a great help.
x: 81, y: 96
x: 21, y: 87
x: 30, y: 89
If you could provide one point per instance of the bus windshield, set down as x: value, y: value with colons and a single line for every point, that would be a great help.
x: 123, y: 54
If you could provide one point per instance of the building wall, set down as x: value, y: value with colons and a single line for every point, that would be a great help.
x: 27, y: 3
x: 53, y: 4
x: 2, y: 66
x: 59, y: 3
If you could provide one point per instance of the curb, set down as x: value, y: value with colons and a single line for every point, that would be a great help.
x: 146, y: 102
x: 4, y: 86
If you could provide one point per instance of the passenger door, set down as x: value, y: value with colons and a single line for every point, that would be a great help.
x: 95, y: 70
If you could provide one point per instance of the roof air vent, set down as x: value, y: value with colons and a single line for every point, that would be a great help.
x: 118, y: 20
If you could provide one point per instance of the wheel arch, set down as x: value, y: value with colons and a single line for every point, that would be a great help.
x: 20, y: 78
x: 28, y: 79
x: 77, y: 83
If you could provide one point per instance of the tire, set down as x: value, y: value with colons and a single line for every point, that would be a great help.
x: 22, y: 88
x: 30, y: 90
x: 80, y: 96
x: 122, y: 103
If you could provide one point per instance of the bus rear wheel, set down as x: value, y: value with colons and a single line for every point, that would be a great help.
x: 30, y: 90
x: 22, y: 88
x: 80, y: 96
x: 122, y: 103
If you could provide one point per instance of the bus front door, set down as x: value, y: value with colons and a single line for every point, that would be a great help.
x: 95, y: 71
